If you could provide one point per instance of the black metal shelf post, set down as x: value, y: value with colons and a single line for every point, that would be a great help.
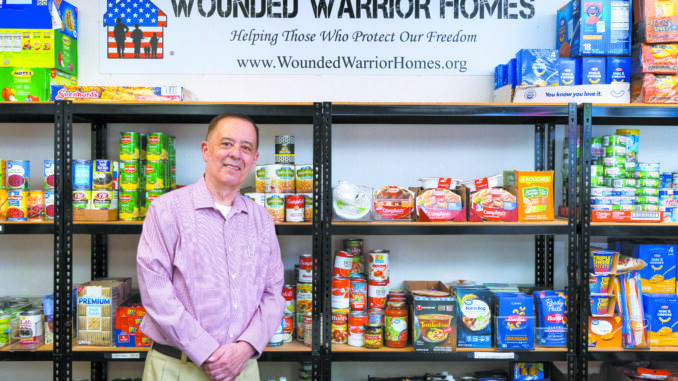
x: 544, y: 159
x: 573, y: 247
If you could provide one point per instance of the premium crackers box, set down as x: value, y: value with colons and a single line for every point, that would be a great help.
x: 97, y: 303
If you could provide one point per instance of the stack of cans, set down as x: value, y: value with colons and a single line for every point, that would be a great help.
x: 613, y: 186
x: 95, y: 184
x: 147, y: 170
x: 668, y: 196
x: 17, y: 201
x: 647, y: 177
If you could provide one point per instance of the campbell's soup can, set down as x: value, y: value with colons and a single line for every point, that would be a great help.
x: 343, y: 263
x: 294, y: 208
x: 131, y: 173
x: 128, y: 207
x: 288, y: 295
x: 277, y: 339
x: 288, y: 327
x: 81, y: 199
x: 16, y: 205
x: 82, y: 174
x: 275, y: 205
x: 130, y: 146
x: 355, y: 247
x: 340, y: 286
x: 48, y: 174
x: 356, y: 328
x: 339, y: 326
x: 304, y: 297
x: 358, y: 294
x: 35, y: 205
x: 49, y: 205
x: 18, y: 175
x: 305, y: 268
x: 3, y: 174
x: 308, y: 207
x: 102, y: 174
x: 376, y: 294
x: 378, y: 265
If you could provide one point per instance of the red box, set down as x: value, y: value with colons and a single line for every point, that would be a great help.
x: 651, y: 88
x: 625, y: 216
x: 655, y: 21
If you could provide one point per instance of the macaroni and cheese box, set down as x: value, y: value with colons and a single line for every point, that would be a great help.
x: 569, y: 71
x: 601, y: 28
x: 97, y: 303
x: 535, y: 195
x: 659, y: 276
x: 661, y: 314
x: 500, y: 76
x: 659, y: 58
x: 511, y: 76
x: 537, y: 67
x: 655, y: 21
x: 593, y: 70
x: 617, y: 69
x: 605, y: 332
x: 654, y: 88
x: 474, y: 316
x: 514, y: 321
x: 564, y: 28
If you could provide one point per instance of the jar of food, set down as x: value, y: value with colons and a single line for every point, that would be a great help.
x: 396, y: 325
x: 373, y: 336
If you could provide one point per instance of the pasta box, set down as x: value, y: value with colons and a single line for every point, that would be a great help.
x: 433, y: 317
x: 442, y: 204
x: 514, y: 321
x: 605, y: 332
x: 659, y: 276
x: 474, y: 316
x: 661, y: 314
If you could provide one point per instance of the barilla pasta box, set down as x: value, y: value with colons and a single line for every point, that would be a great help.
x: 617, y: 69
x: 474, y: 316
x: 552, y: 318
x: 605, y: 332
x: 564, y: 29
x: 655, y: 58
x: 593, y: 70
x: 537, y: 67
x: 514, y: 321
x: 569, y: 71
x: 97, y: 303
x: 661, y: 314
x: 601, y: 28
x: 659, y: 276
x: 655, y: 21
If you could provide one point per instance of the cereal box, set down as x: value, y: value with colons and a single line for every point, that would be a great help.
x: 654, y: 88
x: 474, y: 316
x: 601, y: 27
x: 118, y: 93
x: 97, y: 303
x: 605, y: 332
x: 535, y: 195
x: 514, y: 321
x: 661, y: 314
x: 656, y: 58
x: 552, y: 318
x: 659, y: 275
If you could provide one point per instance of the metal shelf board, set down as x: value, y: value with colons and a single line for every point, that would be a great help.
x: 448, y: 113
x: 655, y: 354
x: 26, y: 356
x: 665, y: 229
x: 135, y: 228
x: 471, y: 228
x: 189, y: 112
x: 26, y: 228
x: 27, y: 112
x: 393, y: 356
x: 632, y: 115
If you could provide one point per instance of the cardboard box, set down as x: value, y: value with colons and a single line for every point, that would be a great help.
x: 658, y: 59
x: 30, y: 84
x: 625, y: 216
x: 593, y: 70
x: 601, y: 28
x: 97, y: 303
x: 433, y: 319
x: 40, y: 14
x: 535, y: 195
x: 40, y: 48
x: 494, y: 204
x: 474, y: 316
x: 537, y: 67
x: 95, y: 215
x: 569, y: 71
x: 617, y: 69
x: 618, y: 93
x: 659, y: 274
x: 442, y: 204
x: 564, y: 29
x: 515, y: 321
x: 127, y: 326
x: 119, y: 93
x: 655, y: 21
x: 605, y: 332
x: 661, y: 314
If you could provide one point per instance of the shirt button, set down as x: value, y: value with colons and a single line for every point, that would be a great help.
x: 233, y: 276
x: 231, y: 336
x: 235, y: 306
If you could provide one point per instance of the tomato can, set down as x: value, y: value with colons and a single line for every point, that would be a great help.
x: 48, y: 174
x: 355, y: 247
x: 304, y: 297
x: 275, y: 205
x: 155, y: 175
x: 49, y: 205
x: 343, y: 263
x: 16, y: 205
x: 288, y: 295
x: 130, y: 146
x: 128, y: 207
x: 340, y: 286
x: 358, y: 294
x: 3, y: 174
x: 308, y: 207
x: 35, y: 205
x: 305, y: 268
x: 130, y: 175
x: 376, y: 294
x: 294, y: 208
x: 82, y: 174
x: 277, y: 339
x: 81, y: 198
x: 102, y: 174
x: 18, y: 175
x: 357, y: 321
x: 156, y: 146
x: 30, y: 328
x: 339, y: 326
x: 378, y: 265
x: 288, y: 327
x: 308, y: 329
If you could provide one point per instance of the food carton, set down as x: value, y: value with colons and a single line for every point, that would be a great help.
x: 434, y: 327
x: 601, y: 28
x: 56, y: 15
x: 654, y: 88
x: 97, y: 303
x: 657, y: 58
x: 605, y: 332
x: 655, y: 21
x: 661, y: 315
x: 392, y: 203
x: 41, y: 48
x: 119, y: 93
x: 535, y: 195
x: 494, y: 204
x: 30, y: 84
x: 617, y: 69
x: 659, y: 276
x: 564, y: 28
x: 474, y: 316
x: 514, y: 321
x: 127, y: 326
x: 537, y: 67
x: 569, y: 72
x: 593, y: 70
x: 552, y: 318
x: 442, y: 204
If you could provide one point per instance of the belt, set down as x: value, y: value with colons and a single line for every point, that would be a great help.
x: 170, y: 351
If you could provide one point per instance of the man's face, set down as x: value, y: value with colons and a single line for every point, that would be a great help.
x: 230, y: 152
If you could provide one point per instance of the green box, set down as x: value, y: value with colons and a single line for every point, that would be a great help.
x: 19, y: 84
x: 40, y: 48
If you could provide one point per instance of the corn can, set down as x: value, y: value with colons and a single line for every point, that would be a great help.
x: 308, y: 207
x: 35, y: 205
x: 130, y: 146
x: 260, y: 179
x: 303, y: 178
x: 151, y: 196
x: 128, y: 208
x: 18, y: 175
x: 275, y: 205
x: 156, y: 146
x: 130, y: 175
x: 16, y: 205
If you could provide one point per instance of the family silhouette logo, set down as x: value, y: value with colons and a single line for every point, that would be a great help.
x: 135, y: 29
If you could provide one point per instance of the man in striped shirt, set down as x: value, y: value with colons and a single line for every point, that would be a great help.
x: 209, y: 267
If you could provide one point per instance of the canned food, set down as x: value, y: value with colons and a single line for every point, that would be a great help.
x: 308, y: 329
x: 299, y: 319
x: 150, y: 197
x: 172, y: 148
x: 597, y: 181
x: 597, y: 147
x: 376, y: 294
x: 358, y: 294
x: 304, y: 297
x: 623, y: 200
x: 601, y: 192
x: 130, y: 175
x: 611, y: 151
x: 601, y: 207
x: 35, y: 206
x: 4, y: 328
x: 130, y: 146
x: 102, y: 174
x: 156, y: 175
x: 305, y: 268
x: 601, y: 201
x: 615, y: 161
x: 128, y: 208
x: 294, y: 208
x: 275, y: 205
x: 49, y: 205
x: 277, y: 339
x: 622, y: 208
x: 648, y: 183
x: 288, y: 295
x: 81, y: 199
x: 675, y: 180
x: 258, y: 198
x: 82, y: 174
x: 340, y: 290
x: 666, y: 179
x: 647, y: 167
x: 339, y: 326
x: 647, y: 175
x: 624, y: 192
x: 103, y: 199
x: 378, y: 265
x: 173, y: 175
x: 646, y: 208
x: 281, y: 178
x: 614, y: 140
x: 631, y: 142
x: 666, y: 192
x: 3, y: 174
x: 48, y: 174
x: 261, y: 181
x: 308, y: 207
x: 16, y: 205
x: 288, y: 327
x: 355, y: 247
x: 343, y: 263
x: 597, y: 170
x: 30, y: 328
x: 284, y: 149
x: 647, y: 191
x: 357, y: 321
x: 18, y: 175
x: 156, y: 146
x: 614, y: 172
x: 303, y: 178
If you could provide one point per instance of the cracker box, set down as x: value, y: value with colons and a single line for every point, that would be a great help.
x: 659, y: 275
x: 605, y: 332
x: 127, y: 322
x: 654, y: 88
x: 661, y: 314
x: 617, y: 69
x: 601, y: 28
x: 537, y: 67
x: 552, y: 318
x: 657, y: 58
x: 655, y: 21
x: 97, y: 303
x: 593, y: 70
x: 535, y: 195
x: 434, y: 326
x: 569, y: 71
x: 514, y: 321
x: 119, y: 93
x: 474, y: 316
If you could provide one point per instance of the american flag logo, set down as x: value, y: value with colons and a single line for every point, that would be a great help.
x: 135, y: 29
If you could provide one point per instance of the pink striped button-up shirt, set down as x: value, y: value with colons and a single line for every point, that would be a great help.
x: 206, y: 280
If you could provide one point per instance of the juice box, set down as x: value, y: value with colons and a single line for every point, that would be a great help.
x: 601, y: 28
x: 569, y: 71
x: 30, y: 84
x: 617, y: 69
x: 593, y: 70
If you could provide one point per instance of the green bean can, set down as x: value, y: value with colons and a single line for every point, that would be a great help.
x: 156, y: 172
x: 612, y: 151
x: 130, y: 175
x: 614, y: 140
x: 156, y: 146
x: 128, y: 209
x: 650, y: 200
x: 130, y: 146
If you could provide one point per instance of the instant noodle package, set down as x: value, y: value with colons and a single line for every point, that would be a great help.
x: 433, y: 317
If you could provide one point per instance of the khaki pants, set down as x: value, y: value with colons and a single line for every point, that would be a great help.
x: 160, y: 367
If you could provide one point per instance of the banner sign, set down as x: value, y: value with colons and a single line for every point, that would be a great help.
x: 389, y: 37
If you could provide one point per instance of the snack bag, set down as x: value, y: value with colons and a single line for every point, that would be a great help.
x: 535, y: 196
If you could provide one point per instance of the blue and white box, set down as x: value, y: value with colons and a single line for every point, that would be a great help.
x: 601, y: 28
x: 537, y: 67
x: 593, y: 70
x: 569, y: 71
x: 618, y: 69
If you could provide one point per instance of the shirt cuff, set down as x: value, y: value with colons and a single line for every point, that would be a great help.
x: 200, y: 349
x: 256, y: 341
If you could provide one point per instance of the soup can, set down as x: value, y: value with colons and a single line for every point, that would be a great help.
x: 288, y: 295
x: 340, y: 286
x: 16, y: 205
x: 355, y: 247
x: 82, y: 174
x: 294, y: 208
x: 284, y: 149
x: 376, y: 294
x: 277, y: 339
x: 308, y: 329
x: 81, y: 199
x: 18, y: 175
x: 48, y: 174
x: 131, y: 173
x: 358, y: 294
x: 339, y: 326
x: 35, y: 205
x: 343, y: 263
x: 156, y: 146
x: 378, y: 265
x: 3, y: 174
x: 357, y: 320
x: 130, y: 146
x: 304, y: 297
x: 30, y: 328
x: 128, y: 207
x: 305, y: 268
x: 308, y: 207
x: 102, y: 174
x: 288, y: 327
x: 275, y: 205
x: 49, y: 205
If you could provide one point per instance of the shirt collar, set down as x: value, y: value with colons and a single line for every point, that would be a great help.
x: 203, y: 199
